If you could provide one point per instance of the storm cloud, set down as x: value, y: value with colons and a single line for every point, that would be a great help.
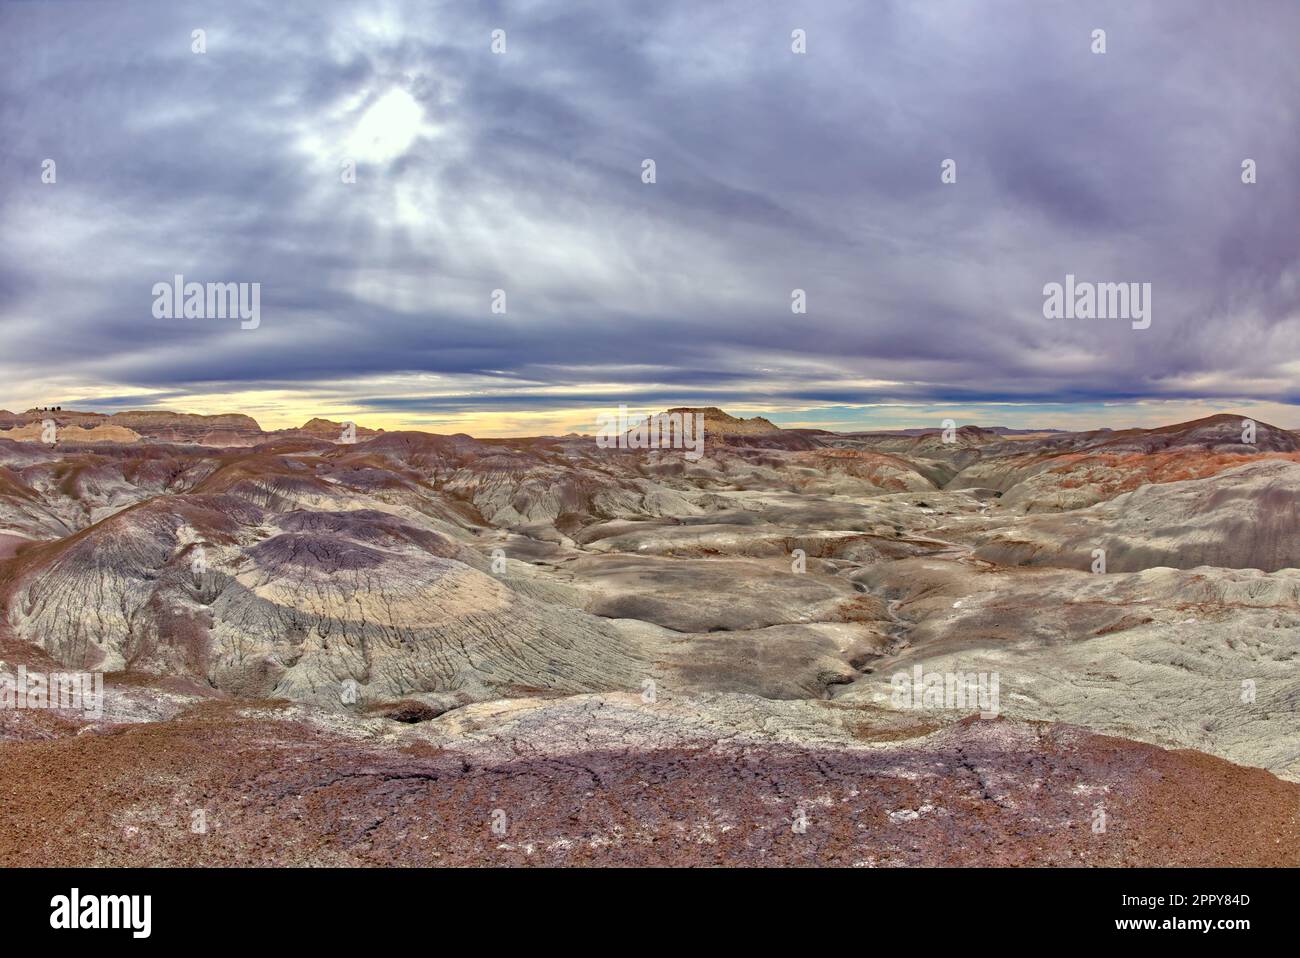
x: 521, y: 171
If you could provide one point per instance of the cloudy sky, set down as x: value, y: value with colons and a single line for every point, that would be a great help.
x: 522, y: 171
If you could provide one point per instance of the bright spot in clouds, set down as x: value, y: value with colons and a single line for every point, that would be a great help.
x: 387, y: 128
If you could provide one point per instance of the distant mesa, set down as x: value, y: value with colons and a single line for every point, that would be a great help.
x: 222, y: 430
x: 720, y: 423
x: 73, y: 432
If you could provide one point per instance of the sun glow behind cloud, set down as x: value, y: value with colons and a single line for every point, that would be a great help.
x: 387, y: 128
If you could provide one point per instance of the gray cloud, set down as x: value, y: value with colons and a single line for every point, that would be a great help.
x: 775, y: 171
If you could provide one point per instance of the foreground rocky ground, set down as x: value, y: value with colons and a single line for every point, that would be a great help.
x: 566, y: 784
x: 424, y: 649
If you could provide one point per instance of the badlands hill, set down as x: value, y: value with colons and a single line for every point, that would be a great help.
x: 415, y: 628
x: 720, y: 423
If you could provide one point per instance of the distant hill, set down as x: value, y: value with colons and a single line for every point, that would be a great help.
x: 929, y: 431
x: 720, y: 423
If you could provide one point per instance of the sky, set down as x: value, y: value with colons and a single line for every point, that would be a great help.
x: 521, y: 169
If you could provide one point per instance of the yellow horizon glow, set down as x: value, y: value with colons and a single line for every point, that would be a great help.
x: 279, y: 410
